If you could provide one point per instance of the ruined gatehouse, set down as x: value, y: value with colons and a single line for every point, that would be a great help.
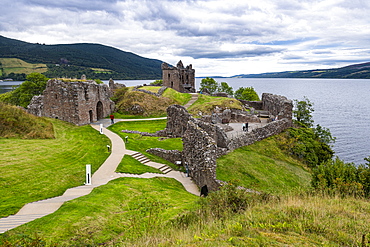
x: 77, y: 102
x: 179, y: 78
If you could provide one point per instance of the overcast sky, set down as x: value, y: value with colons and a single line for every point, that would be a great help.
x: 219, y: 37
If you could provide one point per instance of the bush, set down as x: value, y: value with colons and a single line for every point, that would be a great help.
x: 338, y: 177
x: 304, y: 144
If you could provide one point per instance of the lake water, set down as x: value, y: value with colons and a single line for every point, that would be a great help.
x: 340, y: 104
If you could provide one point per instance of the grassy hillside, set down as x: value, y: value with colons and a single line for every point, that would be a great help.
x: 143, y: 104
x: 206, y: 104
x: 355, y: 71
x: 16, y: 123
x: 72, y: 60
x: 15, y: 65
x: 263, y: 166
x: 37, y: 169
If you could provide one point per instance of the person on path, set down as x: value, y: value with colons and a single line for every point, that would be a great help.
x: 111, y: 119
x: 246, y: 127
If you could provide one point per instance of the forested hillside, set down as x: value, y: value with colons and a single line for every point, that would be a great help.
x: 72, y: 60
x: 355, y: 71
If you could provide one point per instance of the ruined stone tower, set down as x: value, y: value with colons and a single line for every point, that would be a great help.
x: 75, y: 102
x: 179, y: 78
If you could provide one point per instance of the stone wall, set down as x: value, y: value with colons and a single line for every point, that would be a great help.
x: 248, y: 138
x: 170, y: 155
x: 199, y: 154
x: 277, y: 105
x: 204, y: 142
x: 179, y: 78
x: 75, y: 102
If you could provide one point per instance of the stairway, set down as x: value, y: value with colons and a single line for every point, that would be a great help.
x: 143, y: 159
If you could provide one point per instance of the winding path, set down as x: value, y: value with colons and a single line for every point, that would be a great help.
x: 103, y: 175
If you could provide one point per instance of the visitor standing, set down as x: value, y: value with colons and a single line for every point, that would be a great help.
x: 111, y: 119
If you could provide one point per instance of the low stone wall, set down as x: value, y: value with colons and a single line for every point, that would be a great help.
x: 248, y: 138
x: 160, y: 91
x: 170, y: 155
x: 161, y: 133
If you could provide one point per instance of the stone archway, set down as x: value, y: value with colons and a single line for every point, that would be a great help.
x: 99, y: 110
x: 91, y: 116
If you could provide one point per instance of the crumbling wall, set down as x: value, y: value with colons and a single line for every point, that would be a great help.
x: 199, y: 155
x: 277, y: 105
x: 75, y: 102
x: 170, y: 155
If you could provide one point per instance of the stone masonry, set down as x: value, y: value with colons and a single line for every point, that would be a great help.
x: 179, y: 78
x: 75, y: 102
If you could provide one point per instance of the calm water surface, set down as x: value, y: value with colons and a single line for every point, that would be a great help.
x: 341, y: 105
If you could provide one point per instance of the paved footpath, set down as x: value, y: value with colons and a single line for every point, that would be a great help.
x: 103, y: 175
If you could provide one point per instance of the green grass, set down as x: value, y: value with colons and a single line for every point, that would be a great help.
x: 15, y: 65
x: 131, y: 165
x: 180, y: 98
x: 125, y: 209
x: 153, y: 89
x: 263, y: 167
x: 140, y: 143
x: 32, y: 170
x: 206, y: 104
x: 16, y: 123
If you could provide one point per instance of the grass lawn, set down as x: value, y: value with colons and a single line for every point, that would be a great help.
x: 123, y: 210
x: 263, y: 167
x: 142, y: 143
x: 132, y: 166
x: 32, y: 170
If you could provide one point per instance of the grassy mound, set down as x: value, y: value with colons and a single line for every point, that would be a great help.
x: 16, y: 123
x: 264, y: 167
x: 138, y: 103
x: 205, y: 105
x: 32, y: 170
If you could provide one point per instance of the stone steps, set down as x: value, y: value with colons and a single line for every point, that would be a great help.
x: 143, y: 159
x: 13, y: 221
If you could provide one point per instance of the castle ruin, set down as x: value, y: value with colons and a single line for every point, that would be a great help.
x: 179, y: 78
x: 77, y: 102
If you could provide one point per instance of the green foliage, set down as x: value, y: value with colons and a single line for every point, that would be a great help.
x: 225, y: 88
x: 338, y: 177
x: 302, y: 111
x: 210, y: 84
x: 157, y: 83
x: 98, y: 81
x: 34, y: 85
x: 304, y: 144
x: 324, y: 134
x: 246, y: 93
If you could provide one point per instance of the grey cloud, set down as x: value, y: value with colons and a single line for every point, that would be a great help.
x: 220, y: 54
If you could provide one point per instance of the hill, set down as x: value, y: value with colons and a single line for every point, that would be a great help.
x: 72, y: 60
x: 355, y: 71
x: 16, y: 123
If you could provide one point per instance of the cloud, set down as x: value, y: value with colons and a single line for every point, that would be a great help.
x: 268, y: 34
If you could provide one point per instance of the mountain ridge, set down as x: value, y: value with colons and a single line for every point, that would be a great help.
x: 65, y: 59
x: 354, y: 71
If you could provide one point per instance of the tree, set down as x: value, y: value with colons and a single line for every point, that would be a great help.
x: 35, y: 84
x: 225, y: 88
x: 303, y: 112
x: 246, y: 93
x: 210, y: 84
